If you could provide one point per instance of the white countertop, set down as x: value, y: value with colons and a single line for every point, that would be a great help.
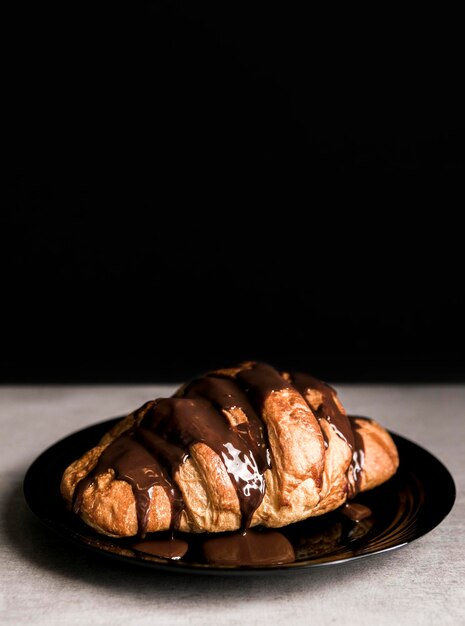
x: 46, y: 580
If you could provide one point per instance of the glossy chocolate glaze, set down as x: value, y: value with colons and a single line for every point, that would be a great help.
x: 355, y: 512
x: 259, y: 381
x: 344, y: 425
x: 226, y: 395
x: 132, y: 463
x: 173, y: 549
x: 186, y: 421
x: 252, y: 548
x: 165, y: 430
x: 161, y: 440
x: 260, y: 547
x: 328, y: 408
x: 358, y: 455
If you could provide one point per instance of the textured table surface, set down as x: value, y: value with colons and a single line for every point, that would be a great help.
x: 45, y: 580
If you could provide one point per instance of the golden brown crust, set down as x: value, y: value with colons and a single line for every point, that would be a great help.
x: 306, y: 478
x: 295, y: 440
x: 381, y: 457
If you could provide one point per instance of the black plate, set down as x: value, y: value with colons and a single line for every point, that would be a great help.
x: 405, y: 508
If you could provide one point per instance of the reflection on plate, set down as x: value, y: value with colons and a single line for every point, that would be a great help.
x: 405, y: 508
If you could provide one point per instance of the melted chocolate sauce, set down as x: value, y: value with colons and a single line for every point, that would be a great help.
x: 173, y: 549
x: 260, y: 547
x: 328, y: 409
x: 185, y: 421
x: 250, y: 548
x: 152, y: 452
x: 225, y: 394
x: 355, y: 512
x: 344, y: 425
x: 358, y: 456
x: 260, y: 381
x: 132, y: 463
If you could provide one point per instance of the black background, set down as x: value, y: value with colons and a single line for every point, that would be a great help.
x: 192, y: 185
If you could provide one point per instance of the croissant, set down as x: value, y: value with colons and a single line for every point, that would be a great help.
x: 234, y: 448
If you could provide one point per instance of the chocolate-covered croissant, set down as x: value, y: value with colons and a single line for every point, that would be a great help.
x: 231, y: 449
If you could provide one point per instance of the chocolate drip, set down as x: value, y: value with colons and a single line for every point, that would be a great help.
x: 226, y: 395
x: 173, y: 549
x: 160, y: 442
x: 356, y: 512
x: 358, y: 456
x: 187, y: 421
x: 171, y: 457
x: 344, y: 425
x: 260, y: 381
x: 132, y: 463
x: 249, y: 549
x: 328, y: 408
